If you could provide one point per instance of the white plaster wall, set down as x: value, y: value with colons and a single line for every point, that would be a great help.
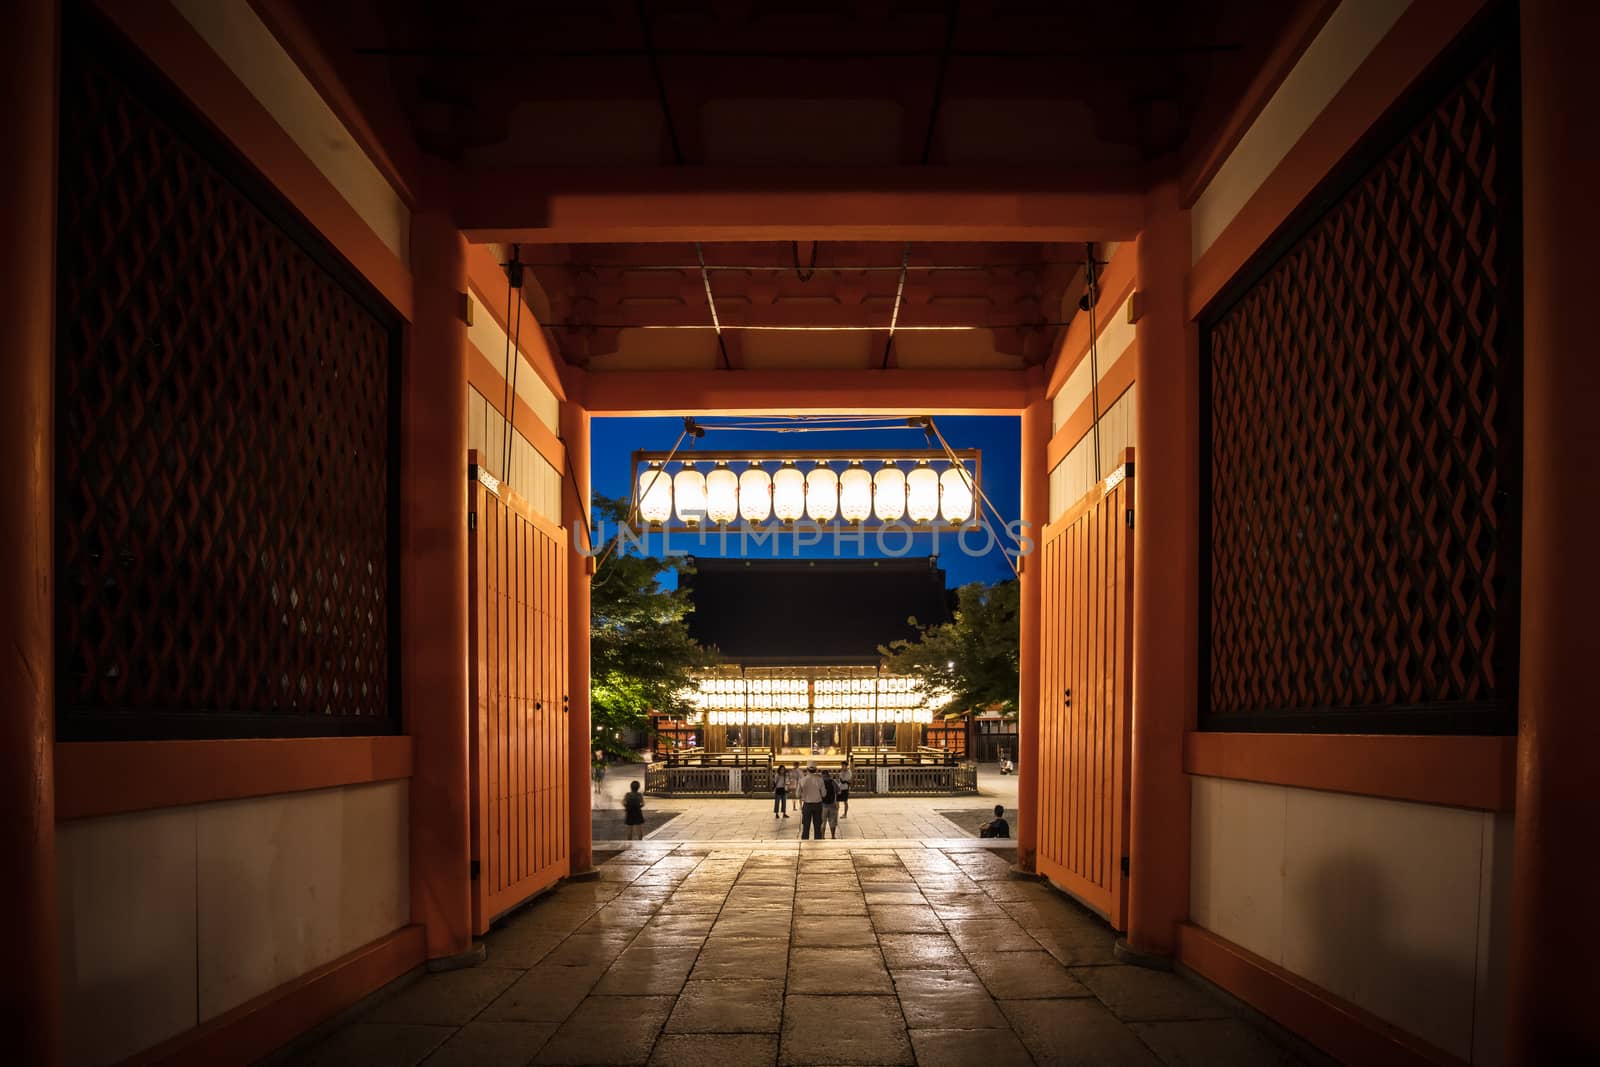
x: 531, y: 476
x: 1075, y: 474
x: 1399, y: 908
x: 244, y: 43
x: 1345, y: 41
x: 490, y: 339
x: 1116, y: 334
x: 172, y: 917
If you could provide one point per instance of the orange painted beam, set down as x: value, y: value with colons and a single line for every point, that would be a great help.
x: 30, y: 985
x: 1035, y: 508
x: 1459, y: 772
x: 575, y: 512
x: 263, y: 1024
x: 110, y: 777
x: 157, y: 29
x: 1113, y: 383
x: 488, y: 281
x: 433, y: 591
x: 1424, y: 31
x: 1211, y: 152
x: 1116, y: 284
x: 863, y: 392
x: 1555, y: 865
x: 579, y: 205
x: 486, y: 378
x: 1166, y: 580
x: 1349, y: 1033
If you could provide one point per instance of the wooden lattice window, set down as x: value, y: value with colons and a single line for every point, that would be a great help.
x: 1362, y: 417
x: 225, y: 436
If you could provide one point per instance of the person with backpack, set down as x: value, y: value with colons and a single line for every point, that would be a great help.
x: 633, y: 812
x: 997, y: 826
x: 830, y: 805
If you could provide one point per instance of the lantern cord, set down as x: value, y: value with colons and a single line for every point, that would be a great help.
x: 1092, y: 296
x: 977, y: 492
x: 633, y: 509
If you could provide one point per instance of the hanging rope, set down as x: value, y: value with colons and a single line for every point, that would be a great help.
x: 1092, y: 295
x: 978, y: 494
x: 513, y: 354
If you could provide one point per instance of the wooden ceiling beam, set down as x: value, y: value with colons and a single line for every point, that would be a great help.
x: 581, y: 205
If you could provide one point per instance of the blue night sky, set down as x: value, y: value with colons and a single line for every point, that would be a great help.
x: 612, y: 440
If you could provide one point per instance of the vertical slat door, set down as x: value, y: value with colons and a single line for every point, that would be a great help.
x: 1086, y: 695
x: 517, y: 568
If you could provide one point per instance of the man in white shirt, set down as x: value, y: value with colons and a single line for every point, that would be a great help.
x: 812, y: 791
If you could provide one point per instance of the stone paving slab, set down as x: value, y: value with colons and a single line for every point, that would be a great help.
x: 866, y: 952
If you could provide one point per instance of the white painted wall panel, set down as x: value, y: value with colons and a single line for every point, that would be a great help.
x: 532, y: 476
x: 1075, y: 474
x: 1399, y: 908
x: 1345, y: 41
x: 244, y: 43
x: 1116, y: 334
x: 490, y: 339
x: 126, y: 891
x: 172, y: 917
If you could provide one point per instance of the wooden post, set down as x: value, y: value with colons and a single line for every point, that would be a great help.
x: 1165, y: 577
x: 434, y: 594
x: 575, y: 517
x: 1555, y: 929
x: 1035, y: 514
x: 30, y: 990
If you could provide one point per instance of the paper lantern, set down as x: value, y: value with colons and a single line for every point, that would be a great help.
x: 655, y: 495
x: 722, y: 495
x: 689, y: 493
x: 755, y: 494
x: 889, y: 493
x: 822, y: 493
x: 922, y: 493
x: 788, y: 493
x: 955, y: 496
x: 855, y: 494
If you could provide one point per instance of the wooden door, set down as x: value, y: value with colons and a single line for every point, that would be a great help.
x: 517, y: 570
x: 1086, y: 691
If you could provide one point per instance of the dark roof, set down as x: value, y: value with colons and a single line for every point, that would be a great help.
x: 812, y: 611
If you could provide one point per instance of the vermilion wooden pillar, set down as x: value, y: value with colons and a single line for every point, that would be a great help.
x: 434, y: 579
x: 1165, y: 595
x: 1035, y: 513
x: 574, y: 516
x: 30, y: 988
x: 1555, y: 923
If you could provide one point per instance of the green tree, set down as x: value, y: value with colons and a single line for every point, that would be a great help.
x: 640, y: 651
x: 973, y: 657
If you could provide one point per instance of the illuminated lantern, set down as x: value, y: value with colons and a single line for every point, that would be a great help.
x: 889, y: 493
x: 755, y: 494
x: 955, y: 496
x: 922, y: 494
x: 822, y: 493
x: 689, y: 490
x: 855, y: 493
x: 655, y: 495
x: 788, y: 493
x: 722, y: 495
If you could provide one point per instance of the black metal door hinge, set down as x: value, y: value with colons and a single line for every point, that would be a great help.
x: 474, y: 869
x: 1124, y: 866
x: 472, y: 520
x: 1130, y: 518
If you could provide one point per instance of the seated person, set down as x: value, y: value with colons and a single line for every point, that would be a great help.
x: 997, y: 826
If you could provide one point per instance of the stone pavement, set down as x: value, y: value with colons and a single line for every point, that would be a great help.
x: 839, y: 953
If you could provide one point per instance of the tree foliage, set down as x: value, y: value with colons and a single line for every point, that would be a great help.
x: 640, y: 651
x: 973, y: 657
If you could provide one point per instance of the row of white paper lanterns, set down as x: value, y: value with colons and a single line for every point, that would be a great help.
x: 800, y: 718
x: 821, y: 495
